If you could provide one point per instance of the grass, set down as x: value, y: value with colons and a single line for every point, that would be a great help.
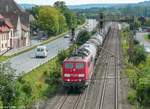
x: 37, y: 79
x: 4, y: 58
x: 146, y: 37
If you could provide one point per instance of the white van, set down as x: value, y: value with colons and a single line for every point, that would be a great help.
x: 41, y: 51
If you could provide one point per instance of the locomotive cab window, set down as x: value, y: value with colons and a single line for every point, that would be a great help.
x: 68, y: 65
x: 79, y: 65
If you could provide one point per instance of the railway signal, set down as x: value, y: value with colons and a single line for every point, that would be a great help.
x: 101, y: 21
x: 72, y: 34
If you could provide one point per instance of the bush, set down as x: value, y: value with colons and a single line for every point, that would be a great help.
x: 62, y: 55
x: 139, y: 55
x: 82, y: 37
x: 132, y: 96
x: 148, y: 36
x: 143, y: 91
x: 26, y: 88
x: 1, y: 104
x: 136, y: 42
x: 7, y: 83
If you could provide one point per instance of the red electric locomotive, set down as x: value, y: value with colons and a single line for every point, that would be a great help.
x: 77, y: 71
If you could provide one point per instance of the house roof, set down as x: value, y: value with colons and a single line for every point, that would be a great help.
x: 9, y: 25
x: 4, y: 24
x: 4, y: 29
x: 10, y: 10
x: 10, y: 6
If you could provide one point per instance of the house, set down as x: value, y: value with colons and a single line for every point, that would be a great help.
x: 6, y: 32
x: 20, y: 20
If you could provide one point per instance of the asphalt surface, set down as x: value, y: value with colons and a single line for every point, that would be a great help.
x: 140, y: 37
x: 26, y: 62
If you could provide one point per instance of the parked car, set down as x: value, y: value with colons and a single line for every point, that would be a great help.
x: 41, y: 51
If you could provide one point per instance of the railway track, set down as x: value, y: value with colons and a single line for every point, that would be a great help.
x: 102, y: 65
x: 111, y: 79
x: 102, y: 93
x: 105, y: 90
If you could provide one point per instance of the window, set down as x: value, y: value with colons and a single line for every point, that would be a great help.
x: 40, y: 49
x: 69, y: 65
x: 79, y: 66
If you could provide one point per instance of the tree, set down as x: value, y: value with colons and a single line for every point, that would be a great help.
x: 51, y: 20
x: 7, y: 84
x: 70, y: 16
x: 139, y: 55
x: 61, y: 5
x: 82, y: 37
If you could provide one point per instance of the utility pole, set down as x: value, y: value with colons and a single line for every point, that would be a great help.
x: 101, y: 21
x: 72, y: 34
x: 131, y: 39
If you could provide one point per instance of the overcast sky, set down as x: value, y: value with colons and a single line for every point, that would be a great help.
x: 75, y: 2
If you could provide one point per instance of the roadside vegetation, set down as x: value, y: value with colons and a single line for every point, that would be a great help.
x: 138, y: 72
x: 147, y: 37
x: 82, y: 37
x: 56, y: 19
x: 40, y: 83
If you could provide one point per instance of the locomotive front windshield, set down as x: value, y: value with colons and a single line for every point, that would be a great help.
x: 79, y: 65
x: 69, y: 65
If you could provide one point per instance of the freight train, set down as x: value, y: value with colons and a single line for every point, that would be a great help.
x: 77, y: 69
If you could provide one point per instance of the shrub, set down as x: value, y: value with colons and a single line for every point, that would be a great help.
x: 148, y: 36
x: 62, y: 55
x: 143, y: 89
x: 1, y: 104
x: 82, y: 37
x: 132, y: 96
x: 26, y: 88
x: 136, y: 42
x: 139, y: 55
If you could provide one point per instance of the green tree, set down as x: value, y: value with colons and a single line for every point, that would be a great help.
x: 82, y: 37
x: 139, y: 55
x: 61, y: 5
x: 70, y: 16
x: 143, y: 89
x: 1, y: 103
x: 7, y: 84
x: 51, y: 20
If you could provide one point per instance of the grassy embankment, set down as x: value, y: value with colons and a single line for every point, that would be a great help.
x: 138, y: 75
x: 41, y: 82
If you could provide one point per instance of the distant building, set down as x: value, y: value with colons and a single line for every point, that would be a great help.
x: 20, y: 21
x: 6, y: 33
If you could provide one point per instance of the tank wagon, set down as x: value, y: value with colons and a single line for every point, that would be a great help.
x: 77, y: 70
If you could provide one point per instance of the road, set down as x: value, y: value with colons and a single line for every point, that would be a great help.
x: 26, y: 62
x: 140, y: 37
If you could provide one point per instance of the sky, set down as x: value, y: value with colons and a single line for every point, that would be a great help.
x: 76, y: 2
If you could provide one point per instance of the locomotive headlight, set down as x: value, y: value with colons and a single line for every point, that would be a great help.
x: 81, y: 75
x: 66, y: 75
